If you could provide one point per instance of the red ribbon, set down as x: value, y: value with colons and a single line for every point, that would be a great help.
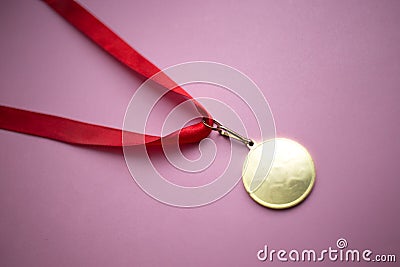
x: 76, y: 132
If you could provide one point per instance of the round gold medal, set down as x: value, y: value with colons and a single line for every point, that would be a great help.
x: 284, y: 183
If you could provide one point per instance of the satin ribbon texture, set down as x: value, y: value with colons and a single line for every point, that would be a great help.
x: 81, y: 133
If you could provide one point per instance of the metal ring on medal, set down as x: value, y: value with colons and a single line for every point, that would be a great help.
x: 285, y: 183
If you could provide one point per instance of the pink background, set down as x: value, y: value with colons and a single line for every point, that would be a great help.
x: 329, y: 69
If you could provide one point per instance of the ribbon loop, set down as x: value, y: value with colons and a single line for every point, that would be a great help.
x: 76, y: 132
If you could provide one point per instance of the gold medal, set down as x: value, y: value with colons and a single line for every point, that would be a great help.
x: 289, y: 179
x: 280, y: 182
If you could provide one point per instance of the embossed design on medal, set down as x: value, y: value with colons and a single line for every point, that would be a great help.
x: 280, y: 185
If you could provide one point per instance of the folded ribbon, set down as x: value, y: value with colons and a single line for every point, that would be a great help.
x: 76, y: 132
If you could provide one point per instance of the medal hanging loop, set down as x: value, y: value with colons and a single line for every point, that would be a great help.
x: 225, y: 131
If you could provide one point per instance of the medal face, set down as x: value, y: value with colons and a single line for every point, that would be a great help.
x: 284, y: 183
